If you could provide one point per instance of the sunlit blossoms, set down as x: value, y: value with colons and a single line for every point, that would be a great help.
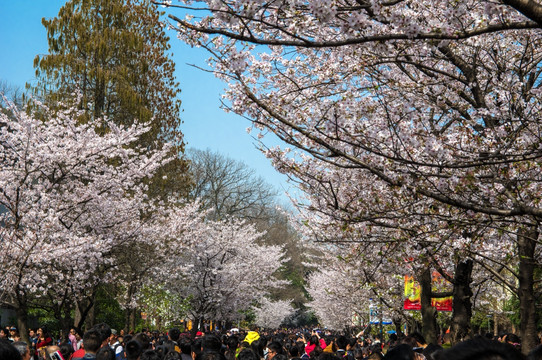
x: 270, y: 314
x: 417, y: 122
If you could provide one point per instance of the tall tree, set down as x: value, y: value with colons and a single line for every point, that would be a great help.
x: 402, y: 101
x: 68, y: 197
x: 228, y: 187
x: 115, y: 53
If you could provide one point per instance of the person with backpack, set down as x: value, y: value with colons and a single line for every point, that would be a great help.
x: 116, y: 345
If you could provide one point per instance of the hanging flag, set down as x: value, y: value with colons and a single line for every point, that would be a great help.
x: 412, y: 294
x: 439, y: 284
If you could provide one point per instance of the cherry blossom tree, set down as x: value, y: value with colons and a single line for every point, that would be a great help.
x: 223, y: 270
x: 406, y: 114
x: 270, y: 314
x: 68, y: 197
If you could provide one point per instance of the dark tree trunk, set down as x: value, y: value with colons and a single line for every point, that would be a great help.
x: 397, y: 323
x: 82, y: 311
x: 196, y: 326
x: 127, y: 313
x: 527, y: 238
x: 429, y: 313
x: 133, y: 319
x: 22, y: 322
x: 462, y: 306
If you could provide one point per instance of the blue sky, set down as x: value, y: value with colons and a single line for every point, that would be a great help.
x: 205, y: 124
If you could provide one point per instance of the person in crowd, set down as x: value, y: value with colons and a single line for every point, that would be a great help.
x: 481, y: 349
x: 144, y: 340
x: 173, y: 335
x: 23, y: 349
x: 258, y: 346
x: 150, y: 355
x: 92, y: 342
x: 293, y: 353
x: 247, y: 354
x: 73, y: 339
x: 211, y: 343
x: 44, y: 339
x: 400, y: 352
x: 105, y: 353
x: 133, y: 349
x: 8, y: 351
x: 173, y: 355
x: 66, y: 350
x: 115, y: 345
x: 232, y: 343
x: 105, y: 333
x: 186, y: 348
x: 274, y: 348
x: 14, y: 334
x: 513, y: 340
x: 341, y: 342
x: 314, y: 342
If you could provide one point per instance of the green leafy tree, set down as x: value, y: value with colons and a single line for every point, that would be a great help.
x: 115, y: 53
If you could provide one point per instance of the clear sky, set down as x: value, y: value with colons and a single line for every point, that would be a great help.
x: 205, y: 124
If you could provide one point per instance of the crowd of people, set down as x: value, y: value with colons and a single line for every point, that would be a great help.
x: 103, y: 343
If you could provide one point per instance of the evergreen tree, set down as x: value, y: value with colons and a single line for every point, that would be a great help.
x: 115, y: 53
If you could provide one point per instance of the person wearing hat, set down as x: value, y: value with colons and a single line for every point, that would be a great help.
x: 13, y: 334
x: 251, y: 336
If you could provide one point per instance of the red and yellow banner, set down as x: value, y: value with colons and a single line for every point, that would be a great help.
x: 413, y: 293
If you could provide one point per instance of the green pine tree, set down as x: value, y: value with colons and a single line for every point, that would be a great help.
x: 115, y: 53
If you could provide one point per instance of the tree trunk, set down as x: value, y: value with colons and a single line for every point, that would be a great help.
x: 495, y: 324
x: 22, y: 322
x: 462, y: 306
x: 82, y: 310
x: 429, y: 313
x: 133, y: 319
x: 527, y: 238
x: 127, y: 328
x: 397, y: 323
x: 66, y: 320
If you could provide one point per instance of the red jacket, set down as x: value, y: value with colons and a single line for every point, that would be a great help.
x: 310, y: 348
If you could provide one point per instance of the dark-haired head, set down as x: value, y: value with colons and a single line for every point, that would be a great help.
x: 92, y: 341
x: 210, y: 355
x: 174, y: 334
x: 105, y: 353
x: 144, y: 340
x: 481, y: 349
x: 133, y: 350
x: 150, y: 355
x: 400, y: 352
x: 211, y: 343
x: 247, y: 354
x: 66, y: 350
x: 8, y: 351
x: 172, y: 355
x: 104, y: 330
